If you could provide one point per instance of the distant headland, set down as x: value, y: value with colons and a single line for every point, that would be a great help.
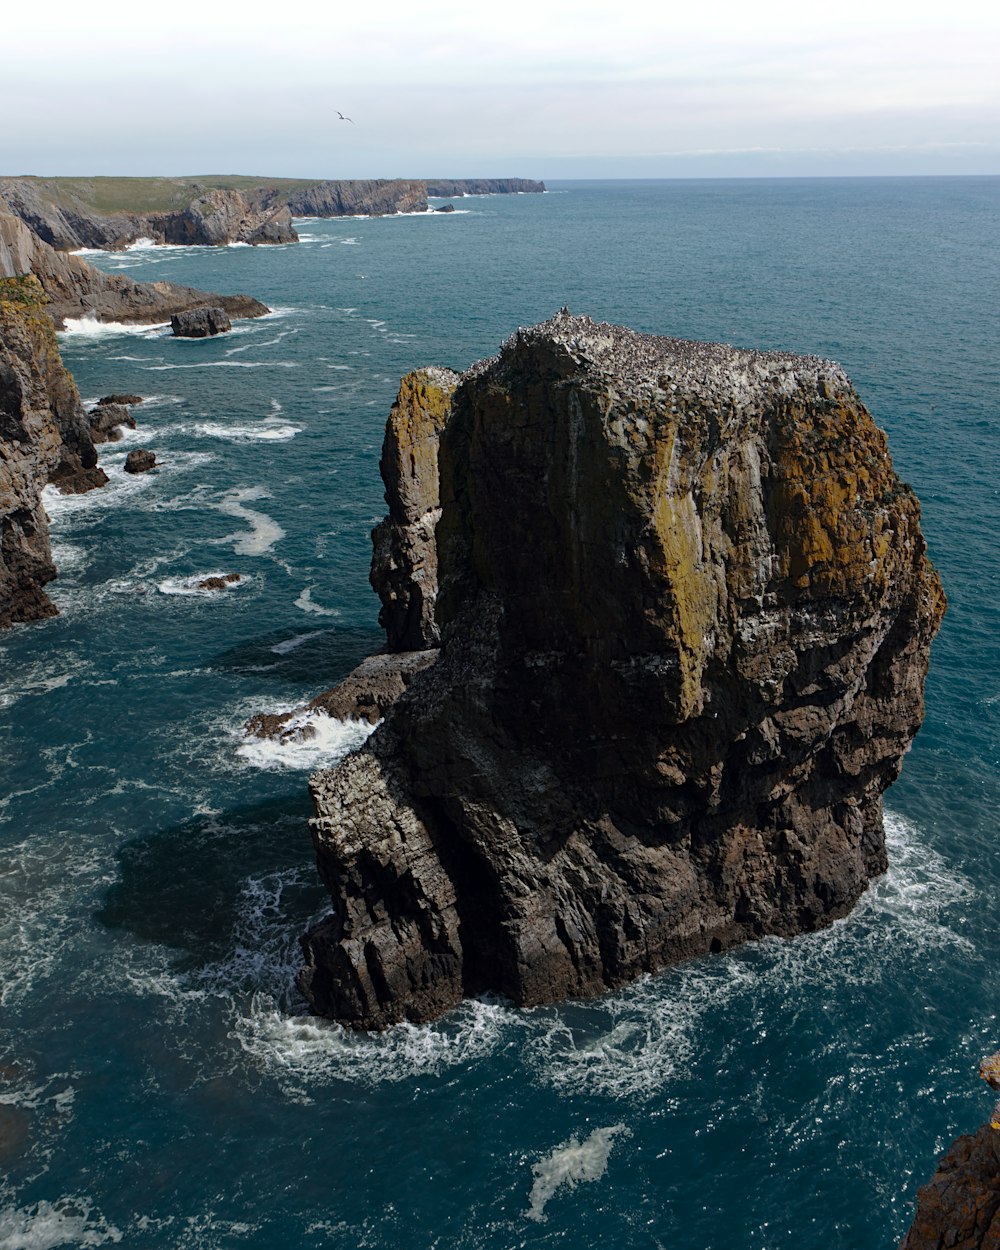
x: 73, y: 213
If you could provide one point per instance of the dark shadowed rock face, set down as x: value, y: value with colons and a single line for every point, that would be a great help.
x: 200, y: 323
x: 44, y: 437
x: 959, y: 1207
x: 139, y: 460
x: 685, y: 617
x: 404, y: 559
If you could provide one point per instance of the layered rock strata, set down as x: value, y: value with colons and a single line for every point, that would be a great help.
x: 404, y: 559
x: 44, y: 437
x: 685, y: 615
x: 76, y: 289
x: 375, y: 197
x: 959, y: 1207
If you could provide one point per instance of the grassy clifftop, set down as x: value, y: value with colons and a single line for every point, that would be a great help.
x: 153, y: 195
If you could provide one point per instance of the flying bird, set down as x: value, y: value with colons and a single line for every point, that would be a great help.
x: 343, y: 118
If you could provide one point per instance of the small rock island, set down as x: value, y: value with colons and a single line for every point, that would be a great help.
x: 685, y: 614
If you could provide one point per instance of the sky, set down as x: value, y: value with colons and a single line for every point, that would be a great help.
x: 533, y: 88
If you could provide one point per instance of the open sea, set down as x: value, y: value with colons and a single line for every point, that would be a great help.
x: 161, y: 1085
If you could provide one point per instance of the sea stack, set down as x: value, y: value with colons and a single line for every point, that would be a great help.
x: 685, y: 615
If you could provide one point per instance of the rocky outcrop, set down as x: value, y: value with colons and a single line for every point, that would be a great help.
x: 447, y: 188
x: 404, y: 561
x: 685, y: 616
x: 76, y: 289
x: 377, y: 197
x: 140, y: 460
x: 44, y: 437
x: 200, y: 323
x: 959, y: 1207
x: 365, y: 694
x: 106, y: 420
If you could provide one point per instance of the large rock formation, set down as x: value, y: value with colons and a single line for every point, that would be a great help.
x: 44, y: 437
x: 404, y: 560
x: 685, y: 616
x: 76, y: 289
x: 959, y: 1207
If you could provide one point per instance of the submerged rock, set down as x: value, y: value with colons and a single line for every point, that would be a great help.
x: 219, y: 581
x: 685, y: 615
x: 200, y: 323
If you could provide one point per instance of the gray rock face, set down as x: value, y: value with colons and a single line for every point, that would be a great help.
x: 44, y: 437
x: 106, y: 421
x: 139, y: 460
x: 376, y: 197
x: 404, y: 560
x: 685, y: 615
x: 200, y: 323
x: 76, y: 289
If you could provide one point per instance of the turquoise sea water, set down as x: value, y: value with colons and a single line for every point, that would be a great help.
x: 160, y: 1084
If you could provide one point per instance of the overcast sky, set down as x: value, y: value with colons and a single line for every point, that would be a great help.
x: 540, y: 88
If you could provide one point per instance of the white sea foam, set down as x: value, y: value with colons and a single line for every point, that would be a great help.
x: 302, y: 1052
x: 292, y: 644
x: 312, y: 739
x: 305, y: 602
x: 67, y: 1222
x: 570, y: 1164
x: 226, y: 364
x: 90, y: 328
x: 263, y: 432
x: 264, y: 531
x: 190, y: 585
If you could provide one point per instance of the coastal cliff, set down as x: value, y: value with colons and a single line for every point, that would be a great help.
x: 455, y: 188
x: 685, y: 616
x: 959, y: 1207
x: 76, y: 289
x: 44, y: 437
x: 112, y: 213
x: 374, y: 197
x: 63, y: 212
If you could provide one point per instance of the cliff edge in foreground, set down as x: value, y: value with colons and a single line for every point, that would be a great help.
x: 685, y: 616
x: 959, y: 1207
x: 44, y: 437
